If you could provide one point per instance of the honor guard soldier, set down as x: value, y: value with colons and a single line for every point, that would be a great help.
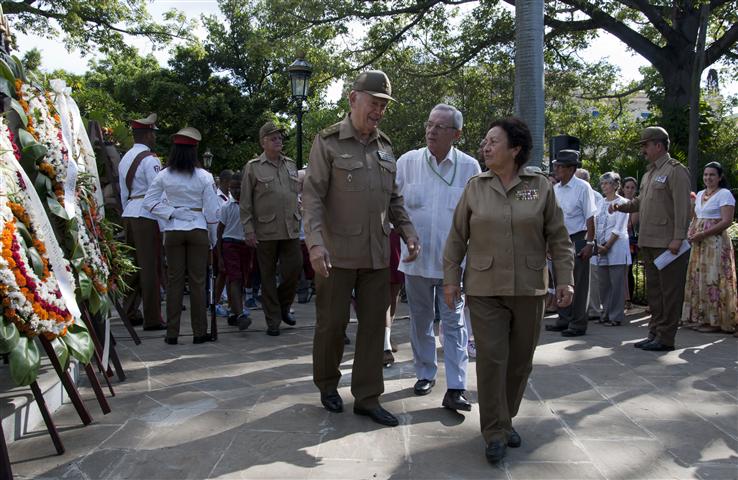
x: 136, y: 171
x: 271, y: 220
x: 349, y: 199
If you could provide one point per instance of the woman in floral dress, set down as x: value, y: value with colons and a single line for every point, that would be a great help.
x: 710, y: 292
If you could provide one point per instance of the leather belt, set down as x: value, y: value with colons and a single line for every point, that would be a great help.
x: 234, y: 240
x: 136, y: 197
x: 193, y: 209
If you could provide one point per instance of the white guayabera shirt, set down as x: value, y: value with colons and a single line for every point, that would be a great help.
x: 431, y: 192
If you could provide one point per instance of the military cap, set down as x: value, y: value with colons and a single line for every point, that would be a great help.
x: 375, y: 83
x: 148, y: 123
x: 653, y: 133
x: 187, y: 136
x: 268, y: 128
x: 567, y: 158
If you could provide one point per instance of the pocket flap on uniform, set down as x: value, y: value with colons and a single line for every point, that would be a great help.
x: 348, y: 164
x: 267, y: 218
x: 659, y: 220
x: 387, y: 165
x: 658, y: 185
x: 350, y: 229
x: 481, y: 263
x: 265, y: 178
x: 535, y: 262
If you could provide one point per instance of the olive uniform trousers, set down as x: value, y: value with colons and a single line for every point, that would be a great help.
x: 276, y: 299
x: 332, y: 304
x: 187, y: 250
x: 665, y: 294
x: 143, y: 234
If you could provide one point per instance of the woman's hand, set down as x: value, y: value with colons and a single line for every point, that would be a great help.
x: 564, y: 294
x: 451, y: 295
x: 602, y: 249
x: 695, y: 237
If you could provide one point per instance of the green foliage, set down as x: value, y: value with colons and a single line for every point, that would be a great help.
x: 24, y: 361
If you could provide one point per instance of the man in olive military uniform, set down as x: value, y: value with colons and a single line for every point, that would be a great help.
x: 271, y: 220
x: 349, y: 199
x: 664, y: 209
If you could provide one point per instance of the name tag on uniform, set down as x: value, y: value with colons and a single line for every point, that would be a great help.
x: 661, y: 179
x: 386, y: 156
x: 527, y: 194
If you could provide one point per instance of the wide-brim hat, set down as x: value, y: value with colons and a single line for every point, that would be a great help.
x: 567, y: 158
x: 268, y: 128
x: 653, y: 134
x: 375, y: 83
x: 148, y: 123
x: 187, y: 136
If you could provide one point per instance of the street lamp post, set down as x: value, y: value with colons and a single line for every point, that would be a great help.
x: 207, y: 162
x: 300, y: 72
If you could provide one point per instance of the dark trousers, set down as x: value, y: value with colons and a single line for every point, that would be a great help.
x: 332, y: 305
x: 275, y: 299
x: 506, y: 331
x: 187, y: 252
x: 575, y: 316
x: 665, y: 293
x: 143, y: 234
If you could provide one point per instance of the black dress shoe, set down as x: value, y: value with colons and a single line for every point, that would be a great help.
x: 514, y: 440
x: 346, y: 340
x: 656, y: 346
x: 136, y: 321
x: 572, y: 333
x: 273, y: 332
x: 455, y: 400
x: 495, y: 451
x: 332, y: 401
x: 170, y: 340
x: 150, y: 328
x: 423, y: 387
x: 288, y: 318
x: 555, y: 328
x: 641, y: 343
x: 232, y: 319
x: 243, y: 321
x: 379, y: 415
x: 388, y: 359
x: 202, y: 338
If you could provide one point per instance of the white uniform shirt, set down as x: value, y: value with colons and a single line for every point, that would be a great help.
x: 430, y: 202
x: 577, y: 202
x: 593, y: 260
x: 147, y: 171
x: 607, y: 224
x: 711, y: 208
x: 230, y: 217
x: 196, y: 192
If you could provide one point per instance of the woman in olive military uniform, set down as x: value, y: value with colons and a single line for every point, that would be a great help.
x: 504, y: 223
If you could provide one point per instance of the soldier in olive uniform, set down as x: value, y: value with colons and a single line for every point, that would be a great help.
x: 271, y: 220
x: 505, y: 221
x: 349, y: 199
x: 664, y: 209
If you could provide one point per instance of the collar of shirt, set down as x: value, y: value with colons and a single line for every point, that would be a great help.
x: 347, y: 130
x: 263, y: 158
x: 449, y: 157
x: 660, y: 161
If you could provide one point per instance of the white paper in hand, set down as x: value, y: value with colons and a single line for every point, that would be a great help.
x: 667, y: 257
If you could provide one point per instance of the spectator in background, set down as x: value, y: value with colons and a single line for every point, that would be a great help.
x: 710, y: 291
x: 613, y: 254
x: 594, y: 305
x: 223, y: 186
x: 629, y: 190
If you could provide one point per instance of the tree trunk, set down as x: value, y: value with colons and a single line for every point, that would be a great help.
x: 529, y: 105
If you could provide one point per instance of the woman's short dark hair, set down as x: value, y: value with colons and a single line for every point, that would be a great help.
x: 518, y: 135
x: 183, y: 158
x: 723, y: 181
x: 624, y: 181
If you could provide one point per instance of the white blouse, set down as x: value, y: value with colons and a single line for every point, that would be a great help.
x: 711, y: 208
x: 607, y: 224
x: 171, y: 190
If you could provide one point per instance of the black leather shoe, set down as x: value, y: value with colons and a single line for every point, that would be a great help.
x: 273, y: 332
x: 555, y: 328
x: 136, y: 321
x: 332, y: 401
x: 202, y: 338
x: 656, y: 346
x: 243, y: 321
x: 514, y: 440
x: 423, y: 387
x: 288, y: 318
x: 232, y: 319
x: 151, y: 328
x: 455, y: 400
x: 170, y: 341
x: 572, y: 333
x: 388, y: 359
x: 495, y: 451
x: 641, y: 343
x: 379, y: 415
x: 346, y: 340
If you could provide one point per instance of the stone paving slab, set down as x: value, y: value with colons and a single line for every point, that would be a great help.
x: 246, y: 407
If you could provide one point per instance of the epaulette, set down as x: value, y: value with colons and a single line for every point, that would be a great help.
x: 384, y: 136
x: 332, y: 130
x: 288, y: 159
x: 533, y: 171
x: 674, y: 162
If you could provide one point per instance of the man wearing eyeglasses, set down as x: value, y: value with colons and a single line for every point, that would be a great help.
x: 431, y: 180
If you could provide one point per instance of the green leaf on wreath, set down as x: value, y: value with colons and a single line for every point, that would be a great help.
x: 36, y: 262
x: 18, y: 69
x: 94, y: 302
x: 79, y: 342
x: 24, y: 361
x: 7, y: 88
x: 85, y: 284
x: 62, y: 352
x: 56, y: 208
x: 33, y: 153
x: 25, y: 139
x: 8, y: 336
x: 17, y: 108
x: 26, y: 238
x: 42, y: 184
x: 8, y: 76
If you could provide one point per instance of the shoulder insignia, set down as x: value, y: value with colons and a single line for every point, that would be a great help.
x: 288, y: 159
x: 332, y: 130
x: 530, y: 171
x: 384, y: 136
x: 253, y: 160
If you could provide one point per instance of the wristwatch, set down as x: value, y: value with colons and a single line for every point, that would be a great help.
x: 590, y: 242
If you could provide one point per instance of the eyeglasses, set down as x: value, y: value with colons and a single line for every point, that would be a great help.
x: 439, y: 126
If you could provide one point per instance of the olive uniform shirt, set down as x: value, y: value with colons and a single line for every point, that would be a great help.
x: 350, y: 197
x: 269, y: 199
x: 663, y: 203
x: 504, y: 236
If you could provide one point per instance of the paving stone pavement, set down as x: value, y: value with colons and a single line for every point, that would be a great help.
x: 245, y: 407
